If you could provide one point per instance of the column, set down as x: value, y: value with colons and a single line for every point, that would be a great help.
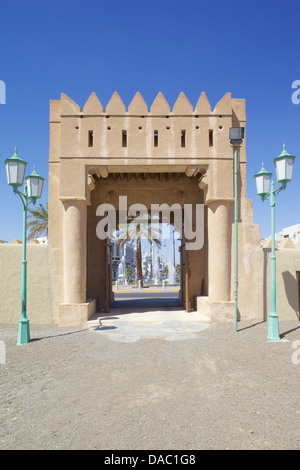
x: 219, y: 250
x: 74, y: 245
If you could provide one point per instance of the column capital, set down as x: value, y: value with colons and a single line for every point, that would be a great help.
x: 212, y: 201
x: 74, y: 199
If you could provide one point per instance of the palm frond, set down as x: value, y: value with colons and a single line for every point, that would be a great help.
x: 38, y: 222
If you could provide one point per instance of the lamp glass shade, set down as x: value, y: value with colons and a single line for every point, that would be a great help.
x: 284, y: 166
x: 263, y: 180
x: 15, y: 170
x: 236, y: 134
x: 34, y: 184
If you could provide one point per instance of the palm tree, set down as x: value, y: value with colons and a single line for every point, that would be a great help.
x: 139, y: 228
x: 129, y: 273
x: 177, y: 269
x: 165, y: 271
x: 38, y: 222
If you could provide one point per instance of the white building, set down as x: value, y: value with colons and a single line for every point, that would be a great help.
x: 293, y: 232
x: 116, y: 258
x: 129, y: 254
x: 42, y: 239
x: 147, y: 265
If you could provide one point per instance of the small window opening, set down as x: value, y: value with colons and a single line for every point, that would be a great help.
x: 182, y: 138
x: 155, y: 138
x: 124, y: 138
x: 91, y: 139
x: 211, y: 137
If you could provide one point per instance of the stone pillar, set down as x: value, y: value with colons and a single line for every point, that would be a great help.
x: 219, y: 251
x: 74, y: 248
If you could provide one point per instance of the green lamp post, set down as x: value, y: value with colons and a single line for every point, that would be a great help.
x: 15, y: 170
x: 284, y: 169
x: 236, y: 136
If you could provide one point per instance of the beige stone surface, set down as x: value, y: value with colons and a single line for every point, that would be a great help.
x: 40, y: 293
x: 287, y: 282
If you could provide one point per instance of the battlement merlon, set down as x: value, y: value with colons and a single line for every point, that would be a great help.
x: 145, y: 136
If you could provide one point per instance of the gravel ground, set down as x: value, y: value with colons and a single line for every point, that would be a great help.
x: 72, y: 388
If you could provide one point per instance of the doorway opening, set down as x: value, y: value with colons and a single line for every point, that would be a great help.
x: 171, y: 275
x: 157, y: 283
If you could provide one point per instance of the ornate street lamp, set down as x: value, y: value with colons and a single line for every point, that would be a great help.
x: 34, y: 183
x: 15, y: 170
x: 284, y: 169
x: 263, y: 180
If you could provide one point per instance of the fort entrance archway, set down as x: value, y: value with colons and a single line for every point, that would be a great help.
x: 164, y: 196
x: 150, y: 157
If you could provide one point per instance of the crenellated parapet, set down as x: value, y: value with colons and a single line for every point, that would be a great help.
x: 183, y: 132
x: 157, y: 138
x: 159, y: 107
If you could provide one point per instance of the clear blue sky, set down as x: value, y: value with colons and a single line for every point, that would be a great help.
x: 248, y: 48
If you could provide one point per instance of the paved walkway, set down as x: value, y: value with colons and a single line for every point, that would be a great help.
x: 173, y: 385
x: 132, y: 324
